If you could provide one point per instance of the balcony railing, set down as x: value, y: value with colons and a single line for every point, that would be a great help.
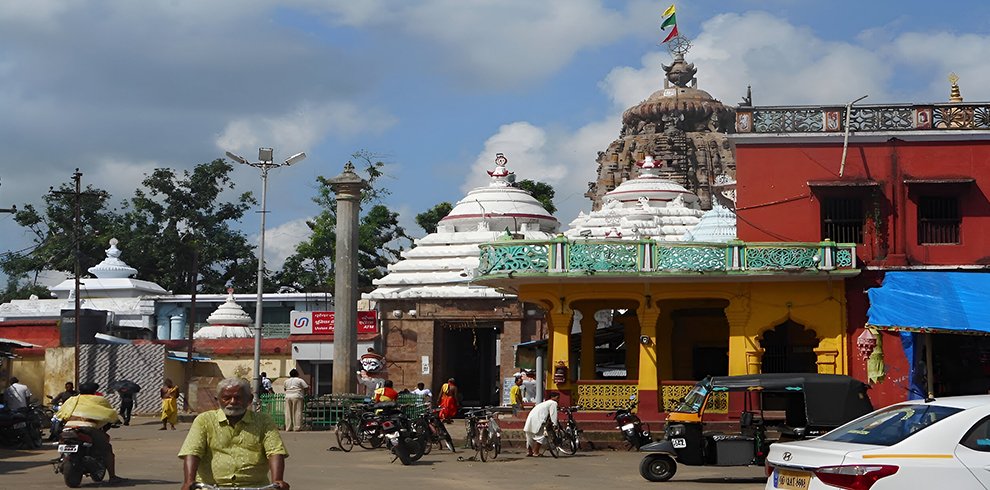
x: 562, y: 256
x: 888, y: 117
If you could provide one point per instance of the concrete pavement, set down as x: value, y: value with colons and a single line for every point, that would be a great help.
x: 146, y: 456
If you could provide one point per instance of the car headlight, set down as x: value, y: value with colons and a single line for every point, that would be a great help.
x: 675, y: 430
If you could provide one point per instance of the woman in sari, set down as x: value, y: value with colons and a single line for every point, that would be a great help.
x: 448, y: 400
x: 170, y: 404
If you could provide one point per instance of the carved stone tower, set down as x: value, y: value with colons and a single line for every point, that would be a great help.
x: 682, y: 127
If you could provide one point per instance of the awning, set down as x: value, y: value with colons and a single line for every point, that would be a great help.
x: 181, y: 356
x: 932, y: 302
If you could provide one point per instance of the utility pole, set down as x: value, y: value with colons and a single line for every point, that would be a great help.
x: 76, y: 238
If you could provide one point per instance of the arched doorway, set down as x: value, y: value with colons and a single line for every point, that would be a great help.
x: 789, y: 348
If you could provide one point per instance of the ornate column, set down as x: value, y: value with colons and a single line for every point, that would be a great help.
x: 561, y: 318
x: 347, y: 186
x: 588, y: 326
x: 745, y: 355
x: 649, y: 360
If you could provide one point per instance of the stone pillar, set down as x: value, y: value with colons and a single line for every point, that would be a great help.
x: 630, y: 331
x: 560, y: 334
x: 347, y: 186
x: 649, y: 360
x: 745, y: 355
x: 511, y: 335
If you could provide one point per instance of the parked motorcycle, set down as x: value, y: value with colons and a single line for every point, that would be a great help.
x: 400, y: 437
x: 634, y: 431
x: 20, y: 428
x: 77, y: 457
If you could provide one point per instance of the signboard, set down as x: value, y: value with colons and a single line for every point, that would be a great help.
x: 321, y: 322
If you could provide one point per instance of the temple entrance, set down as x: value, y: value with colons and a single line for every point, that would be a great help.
x: 789, y: 348
x: 699, y: 340
x: 466, y: 351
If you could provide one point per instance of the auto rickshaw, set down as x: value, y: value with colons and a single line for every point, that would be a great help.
x: 811, y: 404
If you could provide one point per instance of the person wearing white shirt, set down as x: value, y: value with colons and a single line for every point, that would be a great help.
x: 423, y: 391
x: 535, y: 423
x: 17, y: 395
x: 295, y: 390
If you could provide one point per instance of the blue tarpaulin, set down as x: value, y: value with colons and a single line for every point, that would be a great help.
x: 932, y: 302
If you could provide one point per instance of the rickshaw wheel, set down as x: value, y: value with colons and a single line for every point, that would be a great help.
x: 657, y: 467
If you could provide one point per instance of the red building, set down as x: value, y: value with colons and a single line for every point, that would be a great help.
x: 907, y: 183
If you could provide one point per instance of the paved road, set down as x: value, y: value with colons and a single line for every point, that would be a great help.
x: 146, y: 456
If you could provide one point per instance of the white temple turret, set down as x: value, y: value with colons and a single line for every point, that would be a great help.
x: 228, y: 321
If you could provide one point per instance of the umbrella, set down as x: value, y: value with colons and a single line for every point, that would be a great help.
x: 124, y: 384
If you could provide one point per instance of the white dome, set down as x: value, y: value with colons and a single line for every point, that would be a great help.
x: 228, y: 321
x: 717, y: 225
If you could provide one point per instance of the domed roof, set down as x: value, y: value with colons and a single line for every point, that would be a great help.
x: 645, y: 207
x: 651, y: 186
x: 717, y: 225
x: 228, y: 321
x: 112, y: 267
x: 677, y: 98
x: 499, y: 205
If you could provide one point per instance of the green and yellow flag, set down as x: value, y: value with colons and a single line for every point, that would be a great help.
x: 670, y: 20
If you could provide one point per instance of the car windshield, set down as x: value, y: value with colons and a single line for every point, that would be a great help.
x: 891, y: 425
x: 693, y: 400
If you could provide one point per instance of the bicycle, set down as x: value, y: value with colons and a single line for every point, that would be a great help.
x: 490, y: 436
x: 359, y: 426
x: 430, y: 424
x: 570, y: 433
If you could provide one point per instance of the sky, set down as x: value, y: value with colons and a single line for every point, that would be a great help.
x: 435, y: 87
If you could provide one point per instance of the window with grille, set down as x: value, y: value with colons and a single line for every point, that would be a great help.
x: 938, y: 220
x: 842, y: 219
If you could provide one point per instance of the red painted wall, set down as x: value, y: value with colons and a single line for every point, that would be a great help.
x: 775, y: 203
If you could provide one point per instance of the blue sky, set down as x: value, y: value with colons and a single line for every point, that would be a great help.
x: 118, y: 88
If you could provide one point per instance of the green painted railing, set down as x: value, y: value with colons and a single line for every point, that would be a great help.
x: 322, y: 412
x: 562, y: 256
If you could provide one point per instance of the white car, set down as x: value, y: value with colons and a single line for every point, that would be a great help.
x: 941, y: 444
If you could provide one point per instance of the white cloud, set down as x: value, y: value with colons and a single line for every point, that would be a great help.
x: 935, y: 55
x: 303, y: 128
x: 281, y: 241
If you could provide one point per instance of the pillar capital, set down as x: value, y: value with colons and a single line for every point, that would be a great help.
x: 348, y: 185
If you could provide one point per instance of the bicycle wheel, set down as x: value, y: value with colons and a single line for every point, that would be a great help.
x: 488, y: 448
x: 371, y: 438
x: 482, y: 445
x: 552, y: 442
x: 569, y: 442
x: 445, y: 438
x: 497, y: 442
x: 345, y: 436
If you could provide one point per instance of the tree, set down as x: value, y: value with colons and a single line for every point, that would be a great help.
x: 380, y: 238
x: 175, y: 216
x: 542, y: 192
x: 53, y: 238
x: 429, y: 219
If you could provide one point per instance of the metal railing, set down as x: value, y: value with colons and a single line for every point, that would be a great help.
x: 563, y: 256
x: 322, y: 412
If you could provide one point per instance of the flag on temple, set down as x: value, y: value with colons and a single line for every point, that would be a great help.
x: 669, y: 20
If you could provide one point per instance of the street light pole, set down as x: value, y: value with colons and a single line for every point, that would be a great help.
x: 265, y: 163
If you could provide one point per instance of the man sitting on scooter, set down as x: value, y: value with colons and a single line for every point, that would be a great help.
x: 90, y: 413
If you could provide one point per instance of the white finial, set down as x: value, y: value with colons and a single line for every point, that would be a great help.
x: 501, y: 176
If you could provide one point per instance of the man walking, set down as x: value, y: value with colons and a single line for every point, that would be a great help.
x: 295, y: 392
x: 233, y: 446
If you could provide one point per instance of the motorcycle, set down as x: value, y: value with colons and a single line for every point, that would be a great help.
x: 55, y: 427
x: 77, y: 457
x: 400, y: 437
x: 634, y: 431
x: 20, y: 428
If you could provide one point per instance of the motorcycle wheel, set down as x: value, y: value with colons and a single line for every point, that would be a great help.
x: 657, y: 467
x: 417, y: 447
x: 401, y: 451
x: 483, y: 447
x: 345, y: 437
x: 72, y: 472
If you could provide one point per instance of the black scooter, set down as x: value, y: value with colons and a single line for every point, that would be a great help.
x: 400, y: 436
x: 20, y: 428
x: 634, y: 431
x: 77, y: 458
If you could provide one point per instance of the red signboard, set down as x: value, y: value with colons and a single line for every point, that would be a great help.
x: 322, y: 322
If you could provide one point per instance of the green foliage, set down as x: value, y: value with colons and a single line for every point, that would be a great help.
x: 429, y: 219
x: 171, y: 218
x: 542, y: 192
x: 380, y: 238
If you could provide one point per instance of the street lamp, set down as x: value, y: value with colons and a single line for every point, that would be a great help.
x: 265, y: 163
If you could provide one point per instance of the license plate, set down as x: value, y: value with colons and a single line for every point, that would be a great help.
x: 792, y: 480
x: 628, y: 426
x: 20, y: 425
x: 679, y: 442
x: 68, y: 448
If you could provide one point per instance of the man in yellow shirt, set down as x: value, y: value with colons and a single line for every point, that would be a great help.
x: 233, y: 446
x: 516, y: 395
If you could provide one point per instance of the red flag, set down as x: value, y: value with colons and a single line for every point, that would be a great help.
x: 673, y: 34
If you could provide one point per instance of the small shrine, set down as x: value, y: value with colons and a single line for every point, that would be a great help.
x: 229, y: 321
